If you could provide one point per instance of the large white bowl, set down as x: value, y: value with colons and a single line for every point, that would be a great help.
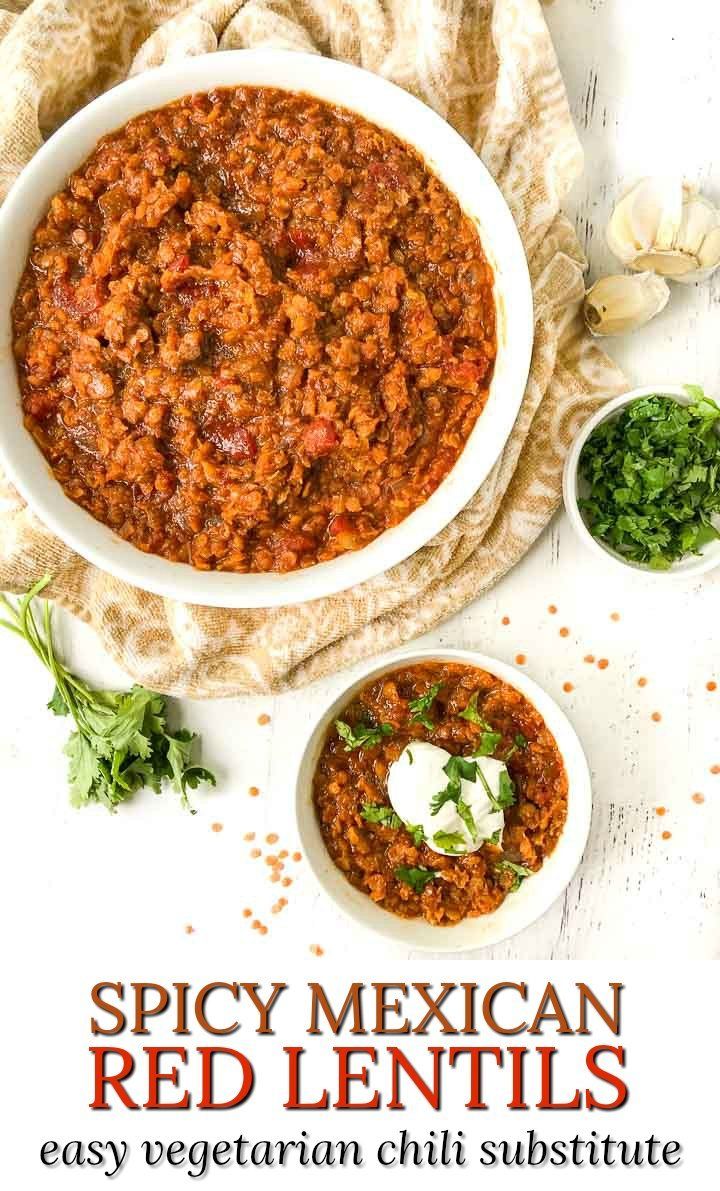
x: 452, y: 160
x: 519, y: 909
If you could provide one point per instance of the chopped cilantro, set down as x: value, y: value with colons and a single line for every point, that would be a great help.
x: 416, y: 878
x: 653, y: 476
x: 450, y: 841
x: 384, y: 815
x: 457, y: 769
x: 416, y: 833
x: 487, y: 744
x: 471, y: 712
x: 467, y: 817
x: 361, y: 735
x: 420, y: 707
x: 518, y: 870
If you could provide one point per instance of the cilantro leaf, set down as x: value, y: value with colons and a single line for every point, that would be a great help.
x: 416, y: 878
x: 487, y: 744
x: 651, y: 476
x: 457, y: 769
x: 119, y: 743
x: 419, y: 707
x: 506, y: 790
x: 471, y: 712
x: 416, y: 833
x: 518, y: 870
x: 450, y: 841
x: 467, y: 817
x: 361, y: 735
x: 380, y: 814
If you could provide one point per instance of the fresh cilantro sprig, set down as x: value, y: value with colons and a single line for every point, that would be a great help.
x: 518, y: 871
x: 385, y: 815
x: 420, y: 707
x: 653, y: 476
x: 505, y: 797
x: 416, y: 878
x: 520, y: 742
x: 450, y: 841
x: 361, y: 735
x: 471, y: 713
x: 120, y: 742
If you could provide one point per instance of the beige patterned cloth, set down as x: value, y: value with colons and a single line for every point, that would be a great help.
x: 489, y: 68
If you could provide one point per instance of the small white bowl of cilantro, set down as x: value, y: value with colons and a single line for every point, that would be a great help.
x: 642, y: 481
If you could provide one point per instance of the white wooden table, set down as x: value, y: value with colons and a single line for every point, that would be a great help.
x: 643, y: 84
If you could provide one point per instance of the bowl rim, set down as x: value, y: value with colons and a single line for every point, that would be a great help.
x: 686, y: 568
x: 445, y: 152
x: 513, y: 915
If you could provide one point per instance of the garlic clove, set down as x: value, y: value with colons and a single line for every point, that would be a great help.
x: 623, y: 302
x: 668, y: 228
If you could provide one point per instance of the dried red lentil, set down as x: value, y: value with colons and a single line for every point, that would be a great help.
x: 254, y: 331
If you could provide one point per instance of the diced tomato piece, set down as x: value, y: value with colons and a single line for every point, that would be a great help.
x: 79, y: 300
x: 340, y: 524
x: 181, y: 263
x: 320, y: 437
x: 233, y: 438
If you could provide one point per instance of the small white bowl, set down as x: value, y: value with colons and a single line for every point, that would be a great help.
x: 519, y: 909
x: 451, y: 159
x: 573, y: 485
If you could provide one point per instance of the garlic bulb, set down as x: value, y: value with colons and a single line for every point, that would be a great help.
x: 623, y: 302
x: 667, y: 227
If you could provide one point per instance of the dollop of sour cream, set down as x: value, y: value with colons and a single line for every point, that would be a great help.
x: 418, y: 775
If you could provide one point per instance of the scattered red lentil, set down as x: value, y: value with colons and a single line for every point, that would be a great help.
x: 247, y: 913
x: 256, y: 924
x: 642, y: 682
x: 564, y: 631
x: 615, y: 616
x: 656, y: 717
x: 520, y: 659
x: 282, y: 855
x: 189, y: 930
x: 698, y: 798
x: 715, y: 768
x: 253, y: 791
x: 264, y: 718
x: 667, y: 834
x: 263, y: 929
x: 249, y: 835
x: 297, y: 855
x: 275, y: 909
x: 274, y: 876
x: 567, y: 687
x: 272, y: 838
x: 216, y: 826
x: 589, y: 658
x: 603, y: 664
x: 282, y: 901
x: 711, y: 686
x: 505, y: 620
x: 286, y: 881
x: 316, y: 949
x: 271, y: 860
x: 660, y: 810
x: 255, y: 852
x: 552, y: 609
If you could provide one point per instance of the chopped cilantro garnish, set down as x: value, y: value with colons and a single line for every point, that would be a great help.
x: 456, y: 769
x: 653, y: 474
x: 384, y: 815
x: 450, y: 841
x: 419, y: 707
x: 471, y: 712
x: 518, y: 870
x: 416, y: 878
x: 506, y: 790
x: 520, y: 742
x: 467, y: 817
x: 487, y: 744
x: 361, y: 735
x: 416, y: 833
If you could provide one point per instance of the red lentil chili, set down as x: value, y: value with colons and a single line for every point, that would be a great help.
x: 369, y: 854
x: 254, y: 331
